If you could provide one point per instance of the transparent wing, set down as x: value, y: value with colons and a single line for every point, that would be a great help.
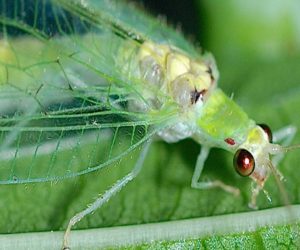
x: 139, y: 26
x: 67, y: 77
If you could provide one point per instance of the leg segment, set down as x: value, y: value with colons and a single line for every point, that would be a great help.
x: 284, y: 136
x: 107, y: 195
x: 208, y: 184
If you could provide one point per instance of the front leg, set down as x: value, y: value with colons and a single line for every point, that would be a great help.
x: 284, y: 136
x: 208, y: 184
x: 117, y: 187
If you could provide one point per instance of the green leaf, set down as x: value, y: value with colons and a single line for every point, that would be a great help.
x: 255, y: 230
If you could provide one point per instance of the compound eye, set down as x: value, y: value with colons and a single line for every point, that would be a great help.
x: 267, y: 130
x: 243, y: 162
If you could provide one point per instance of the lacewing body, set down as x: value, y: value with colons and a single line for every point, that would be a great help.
x: 91, y: 73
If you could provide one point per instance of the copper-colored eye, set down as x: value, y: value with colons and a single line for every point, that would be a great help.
x: 267, y: 130
x: 243, y: 162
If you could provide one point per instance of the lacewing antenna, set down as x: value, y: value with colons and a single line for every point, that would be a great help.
x: 292, y: 147
x: 278, y: 149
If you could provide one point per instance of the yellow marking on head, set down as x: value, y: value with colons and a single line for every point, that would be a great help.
x: 256, y: 143
x: 255, y: 136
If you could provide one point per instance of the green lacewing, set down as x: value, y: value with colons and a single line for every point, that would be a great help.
x: 73, y: 72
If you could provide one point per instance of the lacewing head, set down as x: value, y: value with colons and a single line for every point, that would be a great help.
x: 253, y: 159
